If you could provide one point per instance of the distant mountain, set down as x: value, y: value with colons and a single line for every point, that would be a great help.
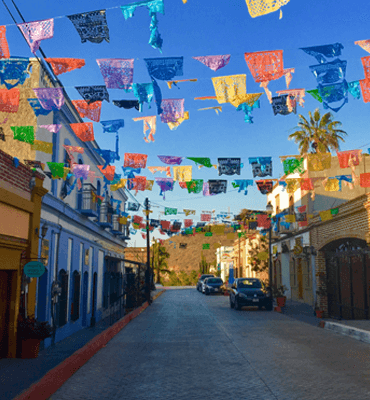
x: 188, y: 259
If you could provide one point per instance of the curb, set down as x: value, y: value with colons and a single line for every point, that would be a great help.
x: 355, y: 333
x: 56, y: 377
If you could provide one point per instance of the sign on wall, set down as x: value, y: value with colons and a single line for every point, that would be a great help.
x: 34, y: 269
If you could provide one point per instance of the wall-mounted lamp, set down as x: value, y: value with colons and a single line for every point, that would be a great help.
x: 44, y: 230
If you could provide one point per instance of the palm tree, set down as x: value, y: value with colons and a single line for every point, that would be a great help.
x: 319, y: 133
x: 160, y: 255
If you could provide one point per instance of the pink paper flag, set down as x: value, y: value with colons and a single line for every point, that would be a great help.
x: 36, y: 31
x: 214, y: 62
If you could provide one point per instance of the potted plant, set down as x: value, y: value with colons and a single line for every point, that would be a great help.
x: 31, y: 332
x: 278, y: 293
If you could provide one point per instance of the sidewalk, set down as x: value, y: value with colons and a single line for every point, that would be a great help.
x: 357, y: 329
x: 17, y: 375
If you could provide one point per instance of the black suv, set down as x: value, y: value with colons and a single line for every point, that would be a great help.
x: 250, y: 292
x: 201, y: 279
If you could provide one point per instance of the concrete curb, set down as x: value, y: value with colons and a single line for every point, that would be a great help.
x: 56, y: 377
x: 355, y: 333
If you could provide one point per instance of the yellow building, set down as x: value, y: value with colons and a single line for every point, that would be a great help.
x: 21, y: 194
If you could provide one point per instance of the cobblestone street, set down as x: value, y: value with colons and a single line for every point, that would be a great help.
x: 190, y: 346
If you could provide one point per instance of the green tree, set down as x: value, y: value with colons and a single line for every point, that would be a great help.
x: 257, y: 264
x: 203, y: 265
x: 159, y: 260
x: 320, y: 133
x: 184, y: 279
x: 193, y: 277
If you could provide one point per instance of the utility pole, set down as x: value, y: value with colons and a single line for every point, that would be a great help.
x: 147, y: 272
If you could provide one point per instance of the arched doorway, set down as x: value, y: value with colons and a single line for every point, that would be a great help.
x: 93, y: 311
x: 347, y: 274
x: 84, y: 302
x: 63, y: 299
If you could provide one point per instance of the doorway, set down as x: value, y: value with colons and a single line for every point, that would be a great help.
x: 93, y: 319
x: 84, y: 300
x: 6, y: 279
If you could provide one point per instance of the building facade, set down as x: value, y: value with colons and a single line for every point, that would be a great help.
x: 21, y: 193
x: 301, y: 251
x: 84, y: 242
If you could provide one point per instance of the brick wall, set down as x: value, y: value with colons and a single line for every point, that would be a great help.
x: 18, y: 177
x: 352, y: 221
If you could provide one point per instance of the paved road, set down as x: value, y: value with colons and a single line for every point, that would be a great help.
x: 190, y: 346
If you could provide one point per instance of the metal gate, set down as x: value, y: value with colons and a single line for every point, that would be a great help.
x: 348, y: 274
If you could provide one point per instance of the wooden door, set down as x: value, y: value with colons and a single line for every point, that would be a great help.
x: 5, y: 298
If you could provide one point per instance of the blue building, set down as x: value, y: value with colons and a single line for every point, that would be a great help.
x: 83, y: 244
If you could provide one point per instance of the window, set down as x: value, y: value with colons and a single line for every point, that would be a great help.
x: 75, y: 306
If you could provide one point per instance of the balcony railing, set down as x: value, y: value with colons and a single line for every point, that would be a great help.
x: 116, y: 229
x: 106, y: 214
x: 88, y: 206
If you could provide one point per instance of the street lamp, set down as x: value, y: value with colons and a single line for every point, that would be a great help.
x: 270, y: 209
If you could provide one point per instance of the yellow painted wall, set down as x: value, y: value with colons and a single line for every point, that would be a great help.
x: 14, y: 222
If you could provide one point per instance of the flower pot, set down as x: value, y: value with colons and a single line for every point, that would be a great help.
x: 281, y: 301
x: 319, y: 313
x: 30, y: 348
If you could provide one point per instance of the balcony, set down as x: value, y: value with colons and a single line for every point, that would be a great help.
x: 116, y: 229
x: 106, y: 215
x: 88, y: 206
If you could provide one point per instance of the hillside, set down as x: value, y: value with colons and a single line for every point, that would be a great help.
x: 188, y: 259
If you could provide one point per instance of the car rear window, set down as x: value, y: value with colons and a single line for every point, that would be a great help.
x: 249, y: 283
x: 215, y: 280
x: 206, y: 276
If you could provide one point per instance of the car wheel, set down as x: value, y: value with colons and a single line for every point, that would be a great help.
x: 269, y: 306
x: 207, y: 292
x: 231, y: 303
x: 236, y: 304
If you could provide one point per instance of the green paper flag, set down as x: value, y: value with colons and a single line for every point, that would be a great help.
x: 170, y: 211
x: 198, y: 229
x: 334, y: 211
x: 195, y: 186
x: 23, y: 134
x: 293, y: 165
x: 57, y: 169
x: 205, y: 161
x: 208, y: 234
x: 315, y: 94
x: 206, y: 246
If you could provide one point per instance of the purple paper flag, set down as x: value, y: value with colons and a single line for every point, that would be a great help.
x: 36, y: 31
x: 118, y: 73
x: 81, y: 171
x: 51, y: 128
x: 165, y: 185
x: 50, y: 98
x: 173, y: 109
x: 171, y: 160
x: 214, y: 62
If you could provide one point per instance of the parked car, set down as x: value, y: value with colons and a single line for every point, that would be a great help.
x: 212, y: 285
x: 201, y: 279
x: 250, y: 292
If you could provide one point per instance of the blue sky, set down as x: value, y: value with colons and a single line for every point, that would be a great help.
x: 207, y: 27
